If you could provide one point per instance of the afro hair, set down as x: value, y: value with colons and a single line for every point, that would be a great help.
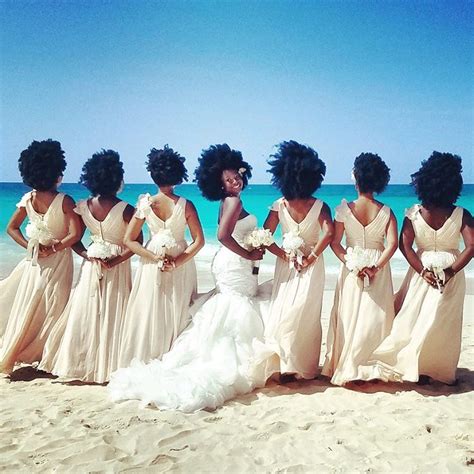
x: 439, y: 181
x: 103, y: 173
x: 212, y: 162
x: 371, y: 173
x: 166, y: 167
x: 296, y: 170
x: 42, y: 164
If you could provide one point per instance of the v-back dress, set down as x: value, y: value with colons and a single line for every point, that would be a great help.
x: 293, y: 324
x: 361, y: 317
x: 426, y: 334
x: 84, y: 343
x: 34, y: 295
x: 158, y: 308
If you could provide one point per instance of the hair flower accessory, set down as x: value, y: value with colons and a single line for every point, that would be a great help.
x: 242, y: 171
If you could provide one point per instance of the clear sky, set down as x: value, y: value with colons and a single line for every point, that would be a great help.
x: 391, y: 77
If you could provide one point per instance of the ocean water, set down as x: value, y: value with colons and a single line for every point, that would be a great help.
x: 257, y: 198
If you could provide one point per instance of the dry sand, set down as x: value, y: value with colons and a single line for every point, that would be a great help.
x: 47, y: 425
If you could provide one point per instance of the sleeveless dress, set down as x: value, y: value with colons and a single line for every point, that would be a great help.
x: 293, y: 325
x: 158, y: 308
x: 361, y: 317
x: 426, y: 334
x: 84, y: 342
x: 36, y: 292
x: 214, y: 359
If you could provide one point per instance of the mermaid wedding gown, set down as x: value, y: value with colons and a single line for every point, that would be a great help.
x: 220, y: 354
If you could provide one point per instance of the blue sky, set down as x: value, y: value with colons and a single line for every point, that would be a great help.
x: 392, y: 77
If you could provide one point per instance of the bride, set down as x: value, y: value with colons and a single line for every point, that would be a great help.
x: 216, y: 357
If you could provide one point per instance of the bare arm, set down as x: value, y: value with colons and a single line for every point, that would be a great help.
x: 327, y: 234
x: 231, y: 208
x: 390, y: 248
x: 336, y: 245
x: 127, y: 253
x: 467, y: 232
x: 407, y: 237
x: 13, y: 227
x: 133, y: 239
x: 75, y: 229
x: 79, y: 247
x: 271, y: 223
x: 197, y: 234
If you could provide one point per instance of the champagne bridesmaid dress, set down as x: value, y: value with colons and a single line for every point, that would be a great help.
x: 361, y: 317
x: 84, y: 343
x: 293, y: 324
x: 426, y: 335
x: 33, y: 297
x: 158, y: 309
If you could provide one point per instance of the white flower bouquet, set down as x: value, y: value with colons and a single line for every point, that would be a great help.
x: 257, y: 239
x: 99, y: 248
x: 164, y: 240
x: 292, y: 243
x: 436, y: 262
x: 38, y: 231
x: 358, y: 258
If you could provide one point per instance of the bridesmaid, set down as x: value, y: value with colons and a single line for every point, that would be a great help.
x: 425, y: 340
x: 164, y: 285
x: 33, y: 297
x: 293, y: 328
x: 361, y: 315
x: 83, y: 344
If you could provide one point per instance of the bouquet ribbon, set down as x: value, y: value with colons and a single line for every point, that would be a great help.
x: 32, y: 251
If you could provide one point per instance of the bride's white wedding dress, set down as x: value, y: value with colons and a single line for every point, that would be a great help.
x: 219, y: 355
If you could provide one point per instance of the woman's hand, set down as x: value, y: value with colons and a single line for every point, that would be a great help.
x: 369, y: 272
x: 255, y: 254
x: 448, y: 274
x: 45, y: 251
x: 429, y: 277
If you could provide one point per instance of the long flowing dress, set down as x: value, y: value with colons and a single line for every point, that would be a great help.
x: 215, y: 358
x: 84, y: 342
x: 426, y: 334
x: 360, y: 318
x: 293, y: 324
x: 158, y: 308
x: 36, y: 292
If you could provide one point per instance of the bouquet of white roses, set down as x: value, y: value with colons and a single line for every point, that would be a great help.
x: 257, y: 239
x: 99, y: 248
x: 292, y: 243
x: 38, y: 231
x: 164, y: 240
x: 358, y: 258
x: 436, y: 262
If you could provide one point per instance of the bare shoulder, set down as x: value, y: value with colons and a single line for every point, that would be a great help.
x: 68, y: 203
x: 128, y: 213
x: 190, y: 209
x: 467, y: 219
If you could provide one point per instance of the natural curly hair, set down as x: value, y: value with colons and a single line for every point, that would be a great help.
x: 371, y: 173
x: 42, y: 164
x: 212, y: 162
x: 103, y: 173
x: 296, y: 170
x: 439, y: 181
x: 166, y: 167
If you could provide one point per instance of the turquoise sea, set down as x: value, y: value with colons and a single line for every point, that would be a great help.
x: 257, y: 198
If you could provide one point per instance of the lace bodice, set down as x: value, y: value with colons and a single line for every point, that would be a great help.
x: 444, y: 239
x: 371, y: 236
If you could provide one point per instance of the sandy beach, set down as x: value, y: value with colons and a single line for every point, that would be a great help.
x: 47, y: 425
